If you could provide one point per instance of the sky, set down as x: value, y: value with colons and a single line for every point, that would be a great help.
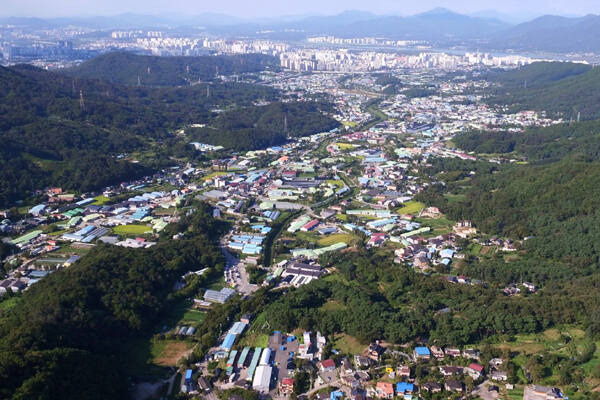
x: 273, y: 8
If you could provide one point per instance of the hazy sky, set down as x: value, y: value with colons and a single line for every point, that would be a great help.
x: 261, y: 8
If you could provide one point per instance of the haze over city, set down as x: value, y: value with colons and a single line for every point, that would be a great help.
x: 275, y: 8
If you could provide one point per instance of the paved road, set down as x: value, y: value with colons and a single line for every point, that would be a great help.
x: 482, y: 391
x: 234, y: 266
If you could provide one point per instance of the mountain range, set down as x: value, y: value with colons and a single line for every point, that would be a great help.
x: 486, y: 30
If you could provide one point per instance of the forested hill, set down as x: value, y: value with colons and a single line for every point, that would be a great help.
x: 68, y: 336
x: 562, y: 89
x: 537, y: 74
x: 551, y: 203
x: 538, y: 144
x: 131, y: 69
x: 259, y: 127
x: 50, y: 137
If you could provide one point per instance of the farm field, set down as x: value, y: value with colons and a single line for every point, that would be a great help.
x: 412, y: 207
x: 132, y: 230
x: 336, y: 238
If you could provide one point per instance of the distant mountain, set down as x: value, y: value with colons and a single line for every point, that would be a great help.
x: 436, y: 24
x: 433, y: 25
x: 513, y: 18
x: 552, y: 33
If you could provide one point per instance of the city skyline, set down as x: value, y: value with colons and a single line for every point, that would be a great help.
x: 509, y: 9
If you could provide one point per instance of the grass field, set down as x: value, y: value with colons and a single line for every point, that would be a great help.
x: 336, y: 182
x: 439, y: 226
x: 551, y: 340
x: 192, y: 317
x: 412, y: 207
x: 347, y: 344
x: 336, y: 238
x: 213, y: 175
x: 167, y: 353
x: 255, y: 339
x: 100, y: 200
x: 342, y: 217
x: 345, y: 146
x: 132, y: 230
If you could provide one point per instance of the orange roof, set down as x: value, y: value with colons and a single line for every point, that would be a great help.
x: 386, y: 387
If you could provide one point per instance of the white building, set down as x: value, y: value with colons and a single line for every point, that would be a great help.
x: 262, y: 379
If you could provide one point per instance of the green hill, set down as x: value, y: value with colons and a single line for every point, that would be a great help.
x: 50, y: 138
x: 259, y: 127
x: 132, y: 69
x: 562, y: 89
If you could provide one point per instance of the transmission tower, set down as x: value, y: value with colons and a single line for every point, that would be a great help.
x: 81, y: 101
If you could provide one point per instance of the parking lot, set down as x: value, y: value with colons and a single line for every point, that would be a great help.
x: 280, y: 358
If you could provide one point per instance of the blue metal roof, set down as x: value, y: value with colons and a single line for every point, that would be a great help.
x: 228, y: 341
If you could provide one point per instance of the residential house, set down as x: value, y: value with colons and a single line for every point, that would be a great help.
x: 500, y: 376
x: 376, y: 351
x: 384, y: 390
x: 346, y: 367
x: 286, y: 386
x: 475, y: 370
x: 437, y: 352
x: 453, y: 386
x: 405, y: 389
x: 328, y: 365
x: 471, y: 353
x: 422, y: 353
x: 361, y: 361
x: 452, y: 352
x: 432, y: 387
x: 403, y: 371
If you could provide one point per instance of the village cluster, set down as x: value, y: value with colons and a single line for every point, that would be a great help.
x: 288, y: 206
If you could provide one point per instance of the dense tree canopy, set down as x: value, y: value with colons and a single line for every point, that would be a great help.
x: 132, y: 69
x: 65, y: 339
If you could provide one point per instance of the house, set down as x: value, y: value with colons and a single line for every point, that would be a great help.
x: 286, y: 387
x: 376, y: 351
x: 464, y: 229
x: 346, y: 366
x: 432, y: 387
x: 475, y: 370
x: 403, y: 371
x: 453, y: 386
x: 437, y: 352
x: 203, y: 385
x: 422, y: 353
x: 384, y: 390
x: 328, y: 365
x: 452, y: 352
x: 496, y: 362
x: 500, y: 376
x: 471, y: 353
x: 361, y: 361
x: 404, y: 389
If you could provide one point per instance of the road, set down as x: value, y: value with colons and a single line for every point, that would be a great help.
x: 234, y: 267
x: 483, y: 392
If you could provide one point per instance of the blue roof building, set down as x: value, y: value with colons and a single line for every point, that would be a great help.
x: 228, y: 342
x: 422, y: 352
